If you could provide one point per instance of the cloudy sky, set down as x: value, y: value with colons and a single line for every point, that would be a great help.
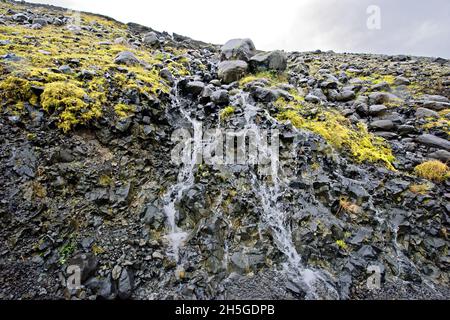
x: 398, y: 27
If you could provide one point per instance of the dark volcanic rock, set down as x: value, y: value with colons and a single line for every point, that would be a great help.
x: 230, y: 71
x: 433, y: 141
x: 382, y: 125
x: 126, y: 57
x: 87, y: 263
x: 195, y: 87
x: 274, y: 60
x: 125, y: 284
x: 238, y: 49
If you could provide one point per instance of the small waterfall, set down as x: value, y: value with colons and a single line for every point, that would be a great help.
x: 185, y: 180
x: 268, y: 188
x: 269, y: 191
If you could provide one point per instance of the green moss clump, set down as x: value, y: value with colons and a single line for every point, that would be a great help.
x: 68, y: 102
x: 442, y: 123
x: 14, y: 92
x: 341, y: 244
x: 338, y: 131
x: 293, y: 116
x: 226, y: 112
x: 179, y: 68
x: 377, y: 78
x: 104, y: 180
x: 14, y: 89
x: 433, y: 170
x: 374, y: 78
x: 272, y: 77
x: 123, y: 110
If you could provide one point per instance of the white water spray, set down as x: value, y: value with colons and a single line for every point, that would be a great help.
x: 176, y: 236
x: 270, y: 194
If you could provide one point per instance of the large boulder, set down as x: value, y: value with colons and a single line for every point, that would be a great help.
x: 126, y: 57
x: 42, y: 21
x: 383, y: 98
x: 267, y: 94
x: 195, y: 87
x: 345, y: 96
x: 230, y: 71
x: 238, y: 49
x: 435, y: 102
x: 274, y: 60
x: 150, y: 39
x: 377, y: 109
x: 125, y: 284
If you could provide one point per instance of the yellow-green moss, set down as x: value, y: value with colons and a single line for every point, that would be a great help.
x: 226, y: 112
x: 64, y: 46
x: 104, y: 180
x: 341, y: 244
x: 14, y: 92
x: 97, y: 250
x: 66, y: 250
x: 62, y: 95
x: 15, y: 89
x: 442, y: 123
x: 180, y: 67
x: 341, y: 134
x: 67, y: 101
x: 433, y: 170
x: 296, y: 95
x: 389, y: 79
x: 296, y: 104
x: 272, y: 77
x: 123, y: 110
x: 374, y: 78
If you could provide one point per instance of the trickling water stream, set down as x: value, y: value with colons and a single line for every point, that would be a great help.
x: 270, y: 193
x: 176, y: 236
x: 268, y: 188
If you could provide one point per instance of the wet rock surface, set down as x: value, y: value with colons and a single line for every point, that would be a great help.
x: 94, y: 187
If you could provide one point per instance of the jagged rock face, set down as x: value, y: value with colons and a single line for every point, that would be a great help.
x: 87, y: 177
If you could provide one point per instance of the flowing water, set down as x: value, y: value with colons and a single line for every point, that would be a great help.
x: 176, y: 236
x: 268, y: 188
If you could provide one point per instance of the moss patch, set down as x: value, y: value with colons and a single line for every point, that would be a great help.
x: 226, y: 112
x: 433, y: 170
x: 43, y: 51
x: 68, y: 102
x: 123, y: 110
x: 272, y: 77
x: 341, y: 134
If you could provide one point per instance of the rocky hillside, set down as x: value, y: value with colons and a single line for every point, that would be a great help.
x: 88, y: 109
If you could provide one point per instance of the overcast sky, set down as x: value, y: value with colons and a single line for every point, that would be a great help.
x: 406, y: 27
